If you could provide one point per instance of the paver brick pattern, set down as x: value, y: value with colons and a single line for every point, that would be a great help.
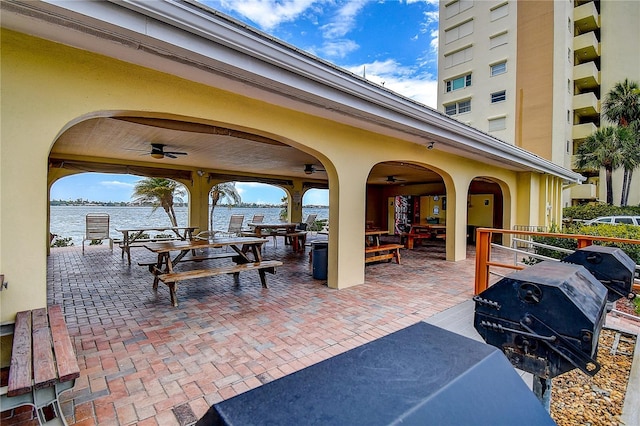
x: 145, y: 362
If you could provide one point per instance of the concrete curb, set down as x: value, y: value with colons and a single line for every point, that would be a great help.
x: 631, y: 408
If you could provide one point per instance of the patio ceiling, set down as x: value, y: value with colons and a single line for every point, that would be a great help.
x: 127, y: 140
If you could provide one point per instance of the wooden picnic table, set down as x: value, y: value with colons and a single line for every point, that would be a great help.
x: 372, y: 236
x: 132, y: 237
x: 164, y: 268
x: 424, y: 232
x: 291, y: 236
x: 374, y: 251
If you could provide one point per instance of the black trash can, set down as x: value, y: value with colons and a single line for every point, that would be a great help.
x: 320, y: 260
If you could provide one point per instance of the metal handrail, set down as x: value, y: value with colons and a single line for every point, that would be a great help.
x: 484, y: 237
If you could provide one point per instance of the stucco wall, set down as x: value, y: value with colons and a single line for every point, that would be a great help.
x: 48, y: 87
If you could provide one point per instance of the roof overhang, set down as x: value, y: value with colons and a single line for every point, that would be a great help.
x: 192, y: 41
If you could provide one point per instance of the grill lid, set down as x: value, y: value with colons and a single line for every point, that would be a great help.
x: 546, y: 318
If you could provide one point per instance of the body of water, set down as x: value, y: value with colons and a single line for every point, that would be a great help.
x: 69, y: 221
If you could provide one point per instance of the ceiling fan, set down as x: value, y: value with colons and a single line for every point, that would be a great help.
x: 158, y: 152
x: 311, y: 168
x: 393, y: 179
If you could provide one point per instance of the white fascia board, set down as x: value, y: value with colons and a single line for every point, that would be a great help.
x: 193, y: 33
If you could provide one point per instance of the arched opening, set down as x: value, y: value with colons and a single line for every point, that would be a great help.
x: 74, y: 196
x: 401, y: 194
x: 485, y: 206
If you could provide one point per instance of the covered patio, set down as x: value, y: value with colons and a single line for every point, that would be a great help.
x: 143, y: 361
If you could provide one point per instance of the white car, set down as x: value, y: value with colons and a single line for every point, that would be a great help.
x: 616, y: 220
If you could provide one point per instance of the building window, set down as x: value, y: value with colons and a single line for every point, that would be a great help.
x: 453, y: 8
x: 458, y: 107
x: 459, y: 31
x: 499, y: 123
x: 569, y: 85
x: 458, y: 83
x: 568, y: 145
x: 499, y: 11
x: 498, y: 40
x: 498, y: 96
x: 499, y: 68
x: 458, y: 57
x: 569, y: 55
x: 569, y: 116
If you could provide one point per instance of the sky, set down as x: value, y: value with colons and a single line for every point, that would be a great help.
x: 390, y: 42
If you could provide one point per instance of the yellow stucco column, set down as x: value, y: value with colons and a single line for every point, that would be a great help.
x: 347, y: 200
x: 198, y: 201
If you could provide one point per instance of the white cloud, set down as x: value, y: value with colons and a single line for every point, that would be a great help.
x: 117, y: 184
x: 343, y: 21
x: 266, y: 13
x: 407, y: 81
x: 338, y: 49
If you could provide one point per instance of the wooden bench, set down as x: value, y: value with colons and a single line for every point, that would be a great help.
x: 43, y: 363
x: 383, y: 252
x: 172, y: 279
x: 296, y: 239
x: 413, y: 237
x: 152, y: 265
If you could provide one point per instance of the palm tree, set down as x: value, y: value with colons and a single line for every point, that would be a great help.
x: 622, y: 103
x: 161, y: 193
x: 603, y: 149
x: 622, y: 106
x: 221, y: 191
x: 631, y: 159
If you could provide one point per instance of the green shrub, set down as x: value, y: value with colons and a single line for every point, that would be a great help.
x: 165, y: 235
x: 629, y: 232
x: 95, y: 243
x: 62, y: 242
x: 591, y: 211
x: 318, y: 225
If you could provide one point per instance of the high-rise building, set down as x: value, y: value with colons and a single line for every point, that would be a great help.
x: 534, y: 73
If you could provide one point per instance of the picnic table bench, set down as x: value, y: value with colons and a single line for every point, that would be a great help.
x: 135, y: 237
x: 163, y: 268
x: 43, y: 363
x: 382, y: 252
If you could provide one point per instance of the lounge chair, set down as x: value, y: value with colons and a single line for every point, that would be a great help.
x: 250, y: 230
x: 97, y: 228
x: 234, y: 229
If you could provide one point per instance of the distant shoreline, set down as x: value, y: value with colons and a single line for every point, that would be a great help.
x: 59, y: 203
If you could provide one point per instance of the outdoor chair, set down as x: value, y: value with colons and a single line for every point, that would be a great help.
x: 235, y: 229
x: 250, y: 230
x: 97, y: 228
x: 308, y: 223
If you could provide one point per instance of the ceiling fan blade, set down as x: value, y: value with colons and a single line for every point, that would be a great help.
x: 175, y: 153
x: 170, y: 155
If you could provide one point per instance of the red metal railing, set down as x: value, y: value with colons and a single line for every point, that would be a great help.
x: 484, y: 237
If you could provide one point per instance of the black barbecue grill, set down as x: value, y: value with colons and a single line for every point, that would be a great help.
x: 611, y: 266
x: 546, y: 318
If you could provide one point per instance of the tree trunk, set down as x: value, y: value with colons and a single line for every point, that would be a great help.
x: 628, y: 189
x: 609, y: 180
x: 172, y: 216
x: 624, y: 196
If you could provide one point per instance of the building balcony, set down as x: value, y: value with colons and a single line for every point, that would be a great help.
x: 583, y: 131
x: 586, y: 104
x: 586, y: 47
x: 586, y: 76
x: 586, y: 191
x: 586, y: 18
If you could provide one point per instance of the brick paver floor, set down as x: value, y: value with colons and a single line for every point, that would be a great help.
x: 145, y: 362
